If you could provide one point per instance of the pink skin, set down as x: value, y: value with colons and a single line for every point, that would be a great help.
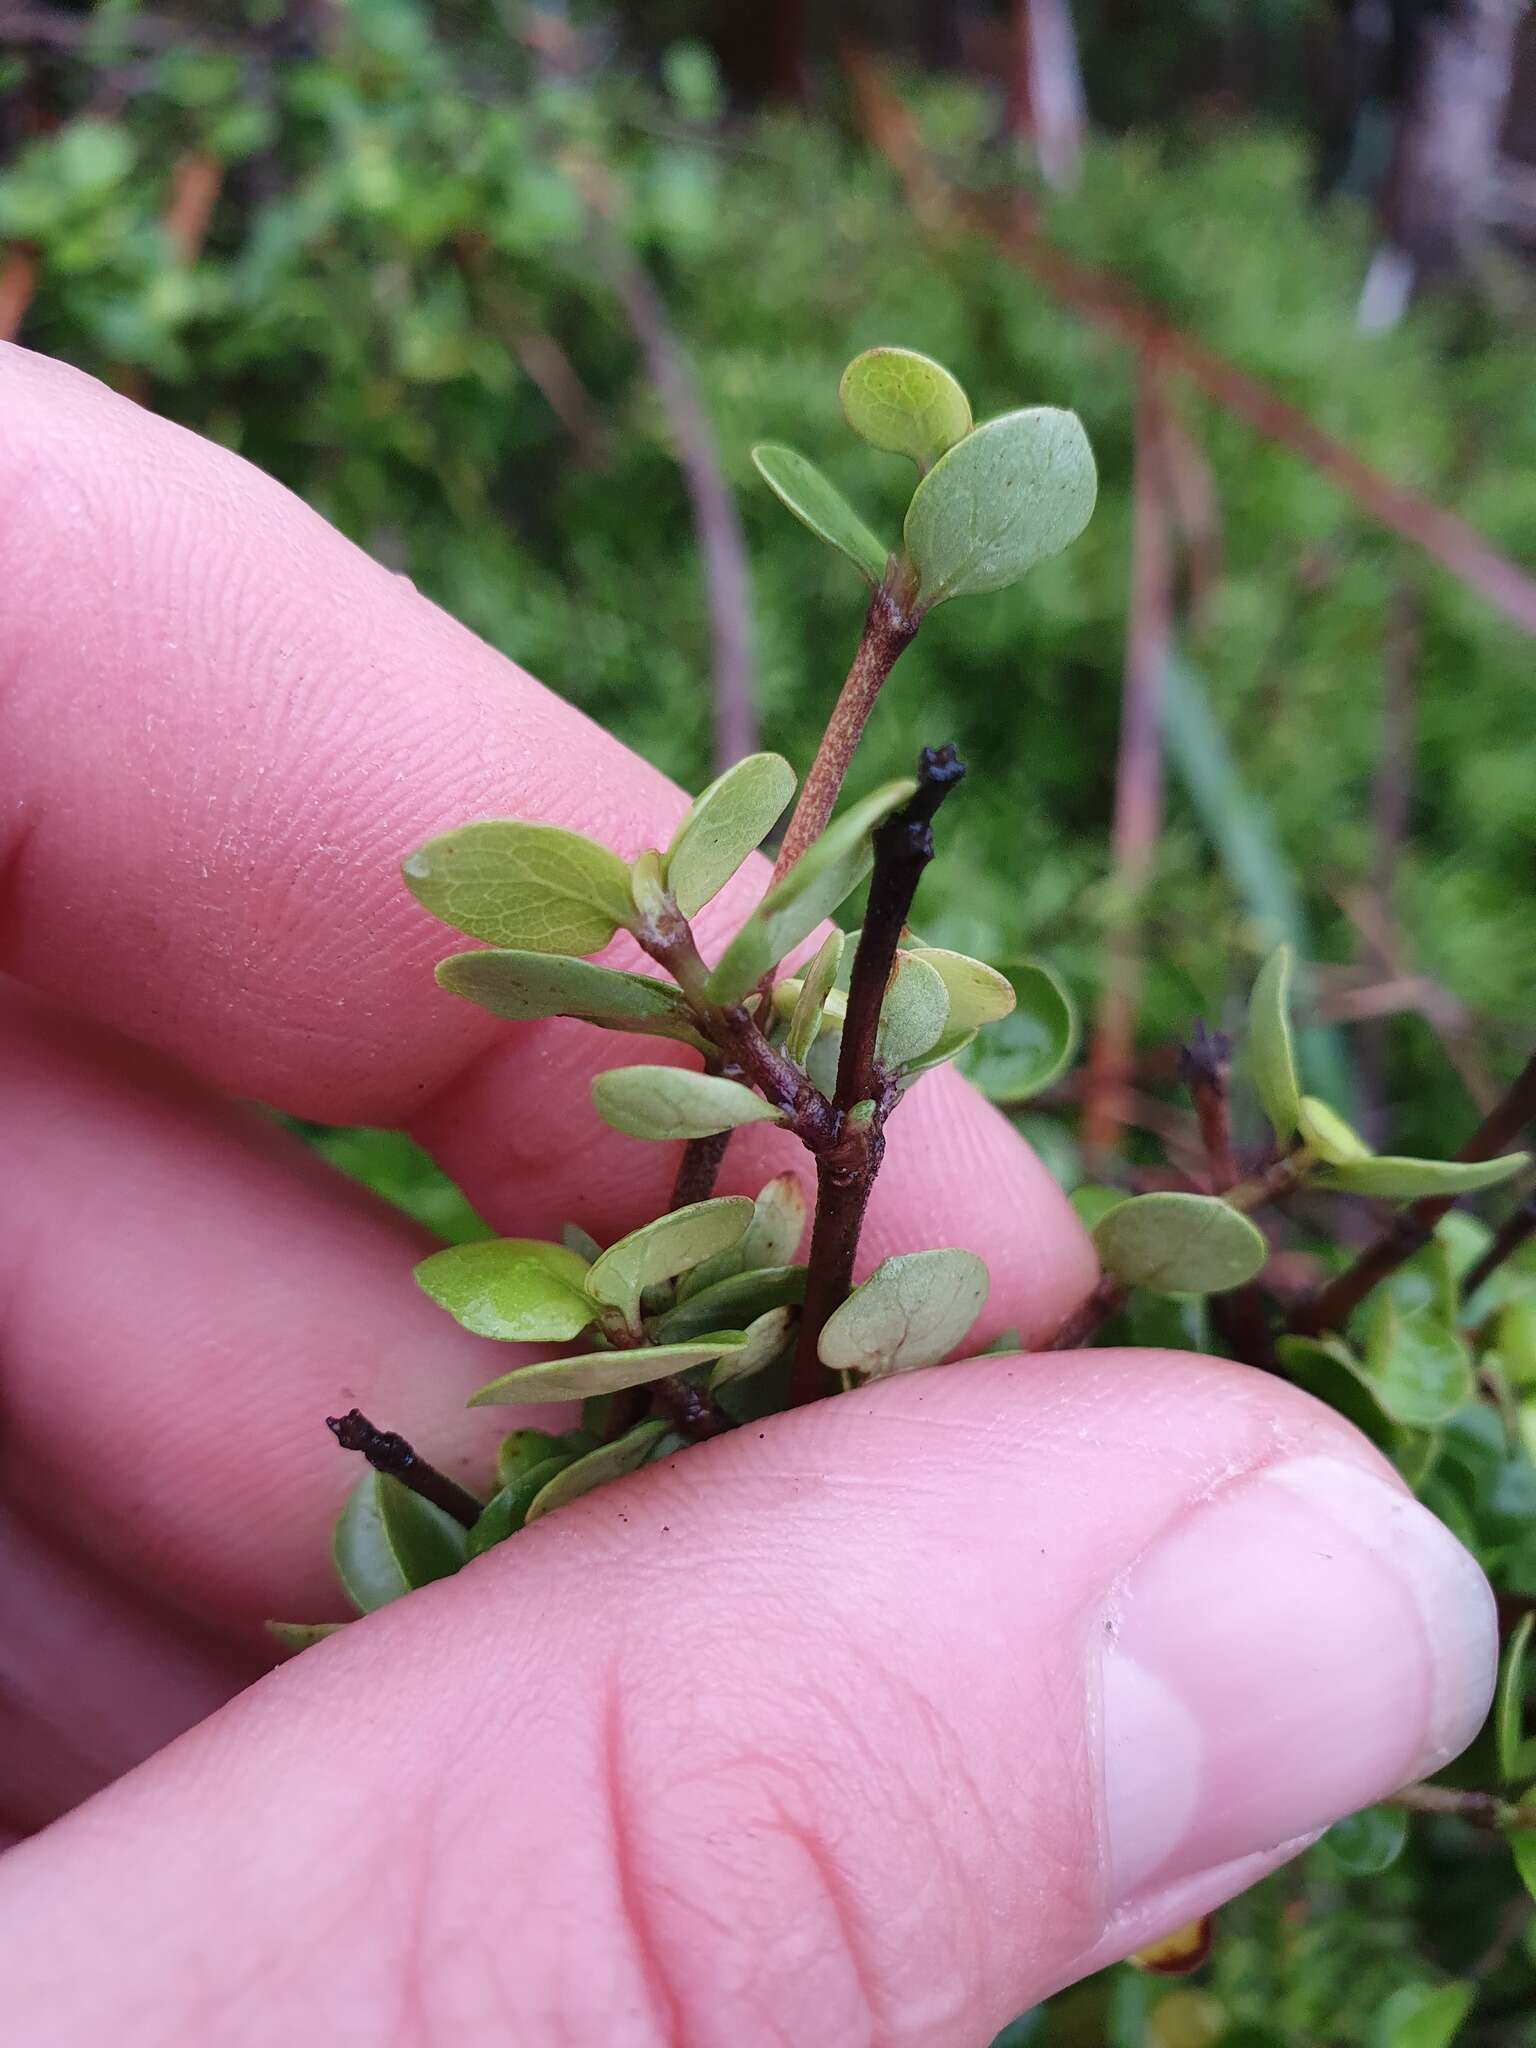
x: 867, y: 1727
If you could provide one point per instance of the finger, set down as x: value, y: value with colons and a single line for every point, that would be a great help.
x: 218, y: 753
x: 873, y: 1725
x: 92, y: 1680
x: 185, y: 1294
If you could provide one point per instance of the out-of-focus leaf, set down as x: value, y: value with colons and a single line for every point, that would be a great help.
x: 522, y: 986
x: 1176, y: 1954
x: 1271, y: 1055
x: 522, y: 1449
x: 905, y: 403
x: 1026, y: 1050
x: 1423, y: 2015
x: 1367, y: 1843
x: 1509, y: 1706
x: 388, y: 1541
x: 1406, y: 1180
x: 675, y: 1102
x: 1014, y: 491
x: 829, y: 870
x: 1522, y: 1846
x: 1179, y: 1244
x: 603, y: 1372
x: 818, y: 504
x: 913, y: 1013
x: 1092, y: 1201
x: 535, y: 888
x: 1417, y: 1366
x: 609, y: 1461
x: 661, y: 1250
x: 727, y: 822
x: 301, y: 1635
x: 582, y: 1242
x: 518, y: 1289
x: 912, y: 1311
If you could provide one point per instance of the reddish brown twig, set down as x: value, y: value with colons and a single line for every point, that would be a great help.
x: 388, y: 1453
x: 18, y: 282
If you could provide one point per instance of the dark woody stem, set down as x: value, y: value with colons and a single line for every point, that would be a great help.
x: 1512, y: 1233
x: 1205, y: 1068
x: 888, y: 631
x: 391, y: 1454
x: 1412, y: 1228
x: 845, y: 1171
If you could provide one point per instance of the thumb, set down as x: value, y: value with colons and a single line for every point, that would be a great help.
x: 872, y: 1725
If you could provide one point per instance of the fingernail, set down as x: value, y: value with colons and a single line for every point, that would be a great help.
x: 1298, y: 1646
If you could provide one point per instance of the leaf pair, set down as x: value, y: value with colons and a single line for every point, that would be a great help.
x: 991, y: 501
x: 1335, y: 1155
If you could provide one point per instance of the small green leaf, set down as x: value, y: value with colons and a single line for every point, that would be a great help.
x: 1328, y: 1369
x: 811, y: 999
x: 518, y: 1289
x: 532, y: 887
x: 1090, y: 1201
x: 911, y: 1312
x: 676, y: 1102
x: 766, y: 1337
x: 1509, y: 1707
x: 521, y: 986
x: 732, y: 1303
x: 828, y: 871
x: 1325, y: 1133
x: 778, y: 1223
x: 1025, y: 1052
x: 389, y: 1540
x: 1365, y: 1844
x: 505, y: 1514
x: 978, y: 994
x: 626, y: 1453
x: 1014, y: 491
x: 1417, y: 1366
x: 522, y: 1449
x: 913, y: 1014
x: 1179, y: 1244
x: 1423, y: 2016
x: 648, y: 885
x: 1522, y: 1845
x: 603, y: 1372
x: 819, y: 504
x: 728, y: 821
x: 301, y: 1635
x: 905, y: 403
x: 1406, y: 1180
x: 661, y: 1250
x: 1271, y: 1054
x: 581, y: 1242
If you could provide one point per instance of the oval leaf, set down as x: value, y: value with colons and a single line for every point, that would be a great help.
x: 819, y: 504
x: 978, y: 994
x: 1406, y: 1180
x: 728, y: 822
x: 1422, y: 2016
x: 828, y: 871
x: 905, y: 403
x: 1179, y: 1244
x: 532, y: 887
x: 732, y: 1303
x: 674, y: 1102
x: 1271, y: 1053
x: 1509, y: 1707
x: 522, y: 986
x: 913, y: 1013
x: 1416, y: 1365
x: 626, y: 1453
x: 604, y: 1372
x: 388, y: 1541
x: 663, y: 1249
x: 1365, y: 1844
x: 1025, y: 1052
x: 1014, y: 491
x: 1325, y: 1133
x: 301, y: 1635
x: 766, y: 1337
x: 811, y: 998
x: 517, y: 1289
x: 508, y: 1510
x: 912, y: 1311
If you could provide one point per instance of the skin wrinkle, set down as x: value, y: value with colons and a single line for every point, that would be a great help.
x: 636, y: 1912
x: 852, y: 1938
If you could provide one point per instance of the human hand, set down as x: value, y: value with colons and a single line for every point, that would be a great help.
x: 874, y: 1724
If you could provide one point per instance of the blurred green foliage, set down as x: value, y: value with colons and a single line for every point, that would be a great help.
x: 398, y: 240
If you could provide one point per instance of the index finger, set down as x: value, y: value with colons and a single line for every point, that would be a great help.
x: 224, y: 725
